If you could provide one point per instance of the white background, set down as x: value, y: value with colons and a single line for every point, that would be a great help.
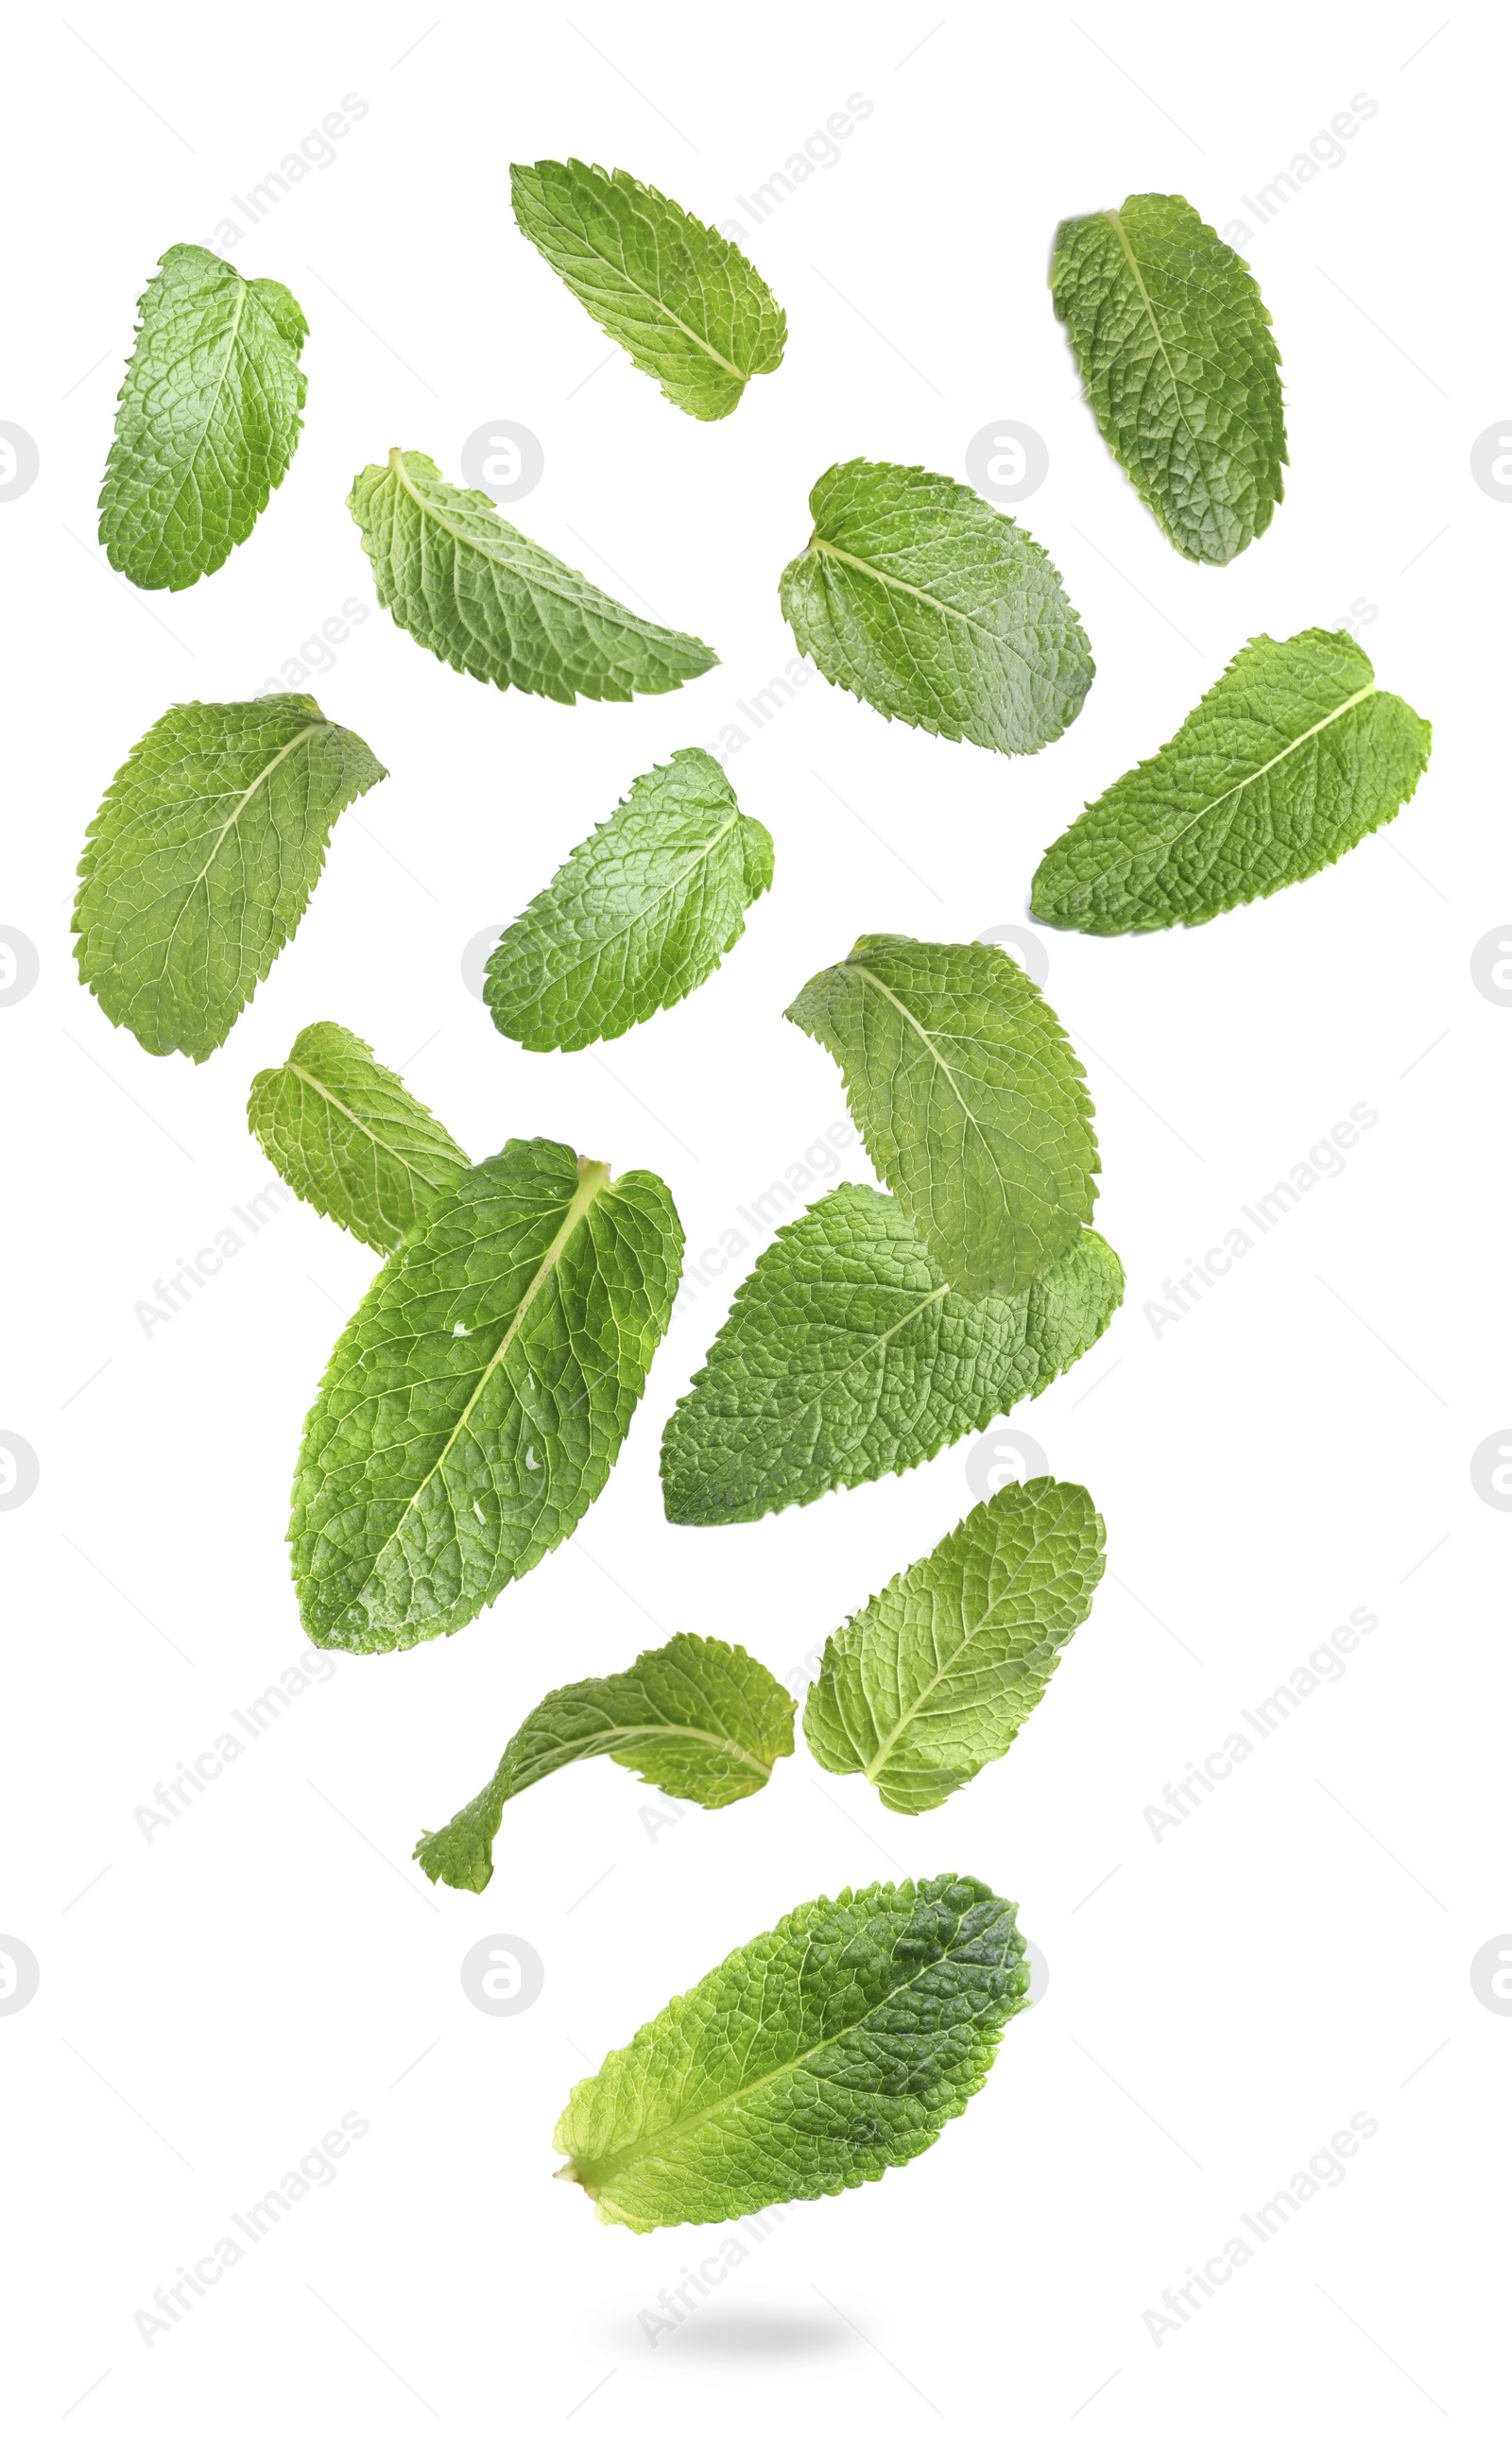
x: 1222, y: 2000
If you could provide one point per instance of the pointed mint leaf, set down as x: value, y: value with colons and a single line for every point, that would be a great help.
x: 701, y: 1719
x: 683, y: 303
x: 201, y: 861
x: 972, y: 1104
x: 1179, y: 367
x: 921, y: 600
x: 346, y: 1136
x: 484, y: 598
x: 638, y: 916
x: 207, y: 423
x: 941, y: 1669
x: 478, y: 1396
x: 1290, y: 760
x: 813, y: 2060
x: 847, y: 1355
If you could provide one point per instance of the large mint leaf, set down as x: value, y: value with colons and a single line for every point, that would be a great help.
x: 935, y: 608
x: 207, y: 422
x: 847, y: 1355
x: 347, y: 1136
x: 971, y: 1102
x: 199, y: 862
x: 1181, y: 370
x: 1290, y: 759
x: 683, y: 303
x: 638, y: 916
x: 940, y: 1670
x: 701, y: 1719
x: 478, y: 1396
x: 839, y: 2044
x: 486, y: 599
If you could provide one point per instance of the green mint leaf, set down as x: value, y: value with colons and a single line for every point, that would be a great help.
x: 487, y: 600
x: 207, y: 422
x: 972, y: 1104
x: 935, y: 608
x: 345, y: 1133
x: 683, y: 303
x: 701, y: 1719
x: 940, y: 1670
x: 638, y: 916
x: 837, y: 2045
x: 201, y: 860
x: 1290, y: 760
x: 477, y: 1399
x: 1179, y: 368
x: 847, y: 1355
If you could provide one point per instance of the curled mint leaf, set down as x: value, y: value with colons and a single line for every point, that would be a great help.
x: 1290, y: 760
x: 484, y: 598
x: 683, y: 303
x: 940, y: 1670
x: 638, y: 916
x: 201, y: 861
x: 1179, y: 367
x: 478, y: 1396
x: 348, y: 1138
x: 813, y: 2060
x: 207, y: 423
x: 699, y: 1718
x: 921, y: 600
x: 848, y: 1354
x: 972, y: 1104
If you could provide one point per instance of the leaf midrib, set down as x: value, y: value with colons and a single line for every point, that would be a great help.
x: 614, y: 2161
x: 1116, y: 222
x: 391, y: 1150
x: 593, y: 1179
x: 535, y: 581
x: 264, y: 777
x: 660, y: 303
x: 605, y: 1740
x: 896, y: 584
x: 874, y: 1768
x: 943, y: 1063
x: 642, y: 915
x: 1167, y: 846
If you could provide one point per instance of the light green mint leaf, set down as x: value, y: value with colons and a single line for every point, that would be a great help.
x: 701, y: 1719
x: 935, y: 608
x: 486, y: 599
x: 638, y: 916
x: 839, y: 2044
x: 683, y: 303
x: 207, y: 423
x: 972, y: 1104
x: 345, y: 1133
x: 1290, y: 760
x: 941, y: 1669
x: 478, y: 1396
x: 1179, y: 368
x: 199, y: 862
x: 848, y: 1355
